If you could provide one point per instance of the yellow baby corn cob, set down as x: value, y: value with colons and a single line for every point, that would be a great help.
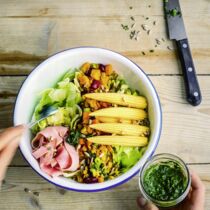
x: 125, y: 121
x: 113, y: 120
x: 135, y: 141
x: 107, y: 119
x: 120, y: 99
x: 121, y: 128
x: 121, y: 112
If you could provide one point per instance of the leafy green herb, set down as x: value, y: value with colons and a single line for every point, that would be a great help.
x: 173, y: 12
x: 165, y: 181
x: 73, y: 137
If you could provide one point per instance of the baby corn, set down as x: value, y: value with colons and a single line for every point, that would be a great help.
x: 121, y: 112
x: 107, y: 119
x: 135, y: 141
x: 121, y: 128
x: 120, y: 99
x: 113, y: 120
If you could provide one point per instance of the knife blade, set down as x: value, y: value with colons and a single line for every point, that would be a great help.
x: 176, y: 31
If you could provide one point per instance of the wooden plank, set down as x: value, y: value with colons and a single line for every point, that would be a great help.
x: 28, y: 41
x: 15, y: 193
x: 170, y: 89
x: 185, y: 128
x: 62, y: 8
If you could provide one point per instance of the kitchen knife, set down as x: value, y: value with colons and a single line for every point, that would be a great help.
x: 176, y: 31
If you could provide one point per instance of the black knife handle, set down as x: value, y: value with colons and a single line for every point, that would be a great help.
x: 191, y: 83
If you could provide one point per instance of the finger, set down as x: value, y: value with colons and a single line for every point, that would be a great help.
x: 144, y: 205
x: 6, y: 156
x: 198, y: 189
x: 9, y: 134
x: 196, y: 181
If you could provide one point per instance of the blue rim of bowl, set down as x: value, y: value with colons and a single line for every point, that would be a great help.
x: 136, y: 172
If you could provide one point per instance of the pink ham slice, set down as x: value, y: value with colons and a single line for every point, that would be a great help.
x: 49, y: 170
x: 40, y: 152
x: 54, y: 132
x: 74, y: 157
x: 63, y: 158
x: 54, y: 154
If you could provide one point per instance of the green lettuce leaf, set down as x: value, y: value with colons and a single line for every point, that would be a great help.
x: 65, y: 94
x: 128, y: 156
x: 65, y: 116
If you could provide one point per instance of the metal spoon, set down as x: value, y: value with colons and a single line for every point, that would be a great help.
x: 46, y: 112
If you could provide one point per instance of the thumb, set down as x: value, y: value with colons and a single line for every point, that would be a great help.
x: 144, y: 205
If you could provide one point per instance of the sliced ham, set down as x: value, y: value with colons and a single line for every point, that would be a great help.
x: 74, y: 157
x: 63, y: 158
x: 53, y: 132
x: 52, y: 151
x: 49, y: 170
x: 40, y: 152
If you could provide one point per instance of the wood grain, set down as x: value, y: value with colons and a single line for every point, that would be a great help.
x: 30, y: 33
x: 91, y: 8
x: 21, y: 183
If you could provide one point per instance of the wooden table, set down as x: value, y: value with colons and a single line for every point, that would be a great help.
x: 30, y: 31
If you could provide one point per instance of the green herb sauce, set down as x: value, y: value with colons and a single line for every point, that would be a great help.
x: 165, y: 181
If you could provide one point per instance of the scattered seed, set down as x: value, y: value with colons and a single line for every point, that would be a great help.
x: 87, y: 154
x: 132, y: 18
x: 163, y: 39
x: 143, y: 53
x: 169, y: 48
x: 144, y: 27
x: 130, y: 7
x: 148, y: 32
x: 149, y: 6
x: 134, y: 34
x: 155, y: 45
x: 147, y: 18
x: 62, y: 191
x: 125, y: 27
x: 36, y: 193
x: 154, y: 23
x: 34, y: 202
x: 151, y: 51
x: 137, y: 37
x: 26, y: 190
x: 158, y: 41
x: 133, y: 25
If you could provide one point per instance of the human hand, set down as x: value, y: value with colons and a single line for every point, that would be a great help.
x: 9, y: 140
x: 194, y: 201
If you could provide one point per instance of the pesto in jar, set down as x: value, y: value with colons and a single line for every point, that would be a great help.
x: 165, y: 181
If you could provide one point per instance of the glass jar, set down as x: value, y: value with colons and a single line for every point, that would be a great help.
x: 154, y: 161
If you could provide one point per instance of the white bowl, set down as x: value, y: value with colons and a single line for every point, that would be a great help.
x: 51, y: 70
